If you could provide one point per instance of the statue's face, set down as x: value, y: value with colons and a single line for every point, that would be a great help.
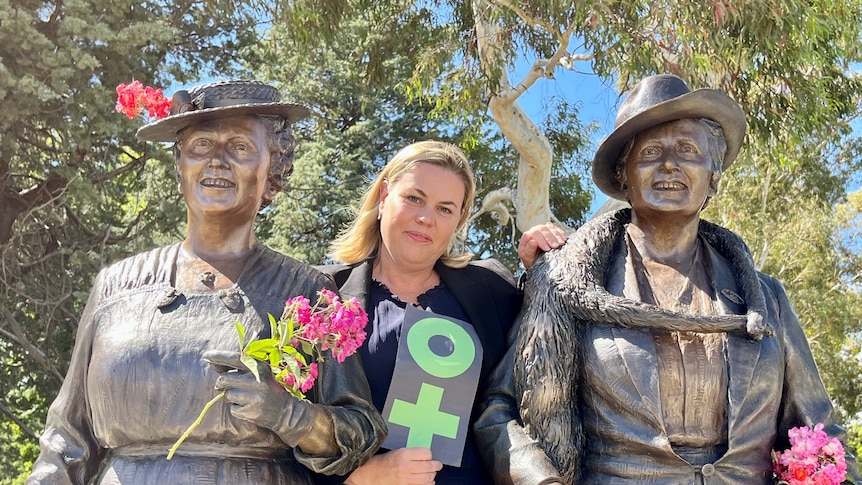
x: 669, y: 168
x: 224, y: 165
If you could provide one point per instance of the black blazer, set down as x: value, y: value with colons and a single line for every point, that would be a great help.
x: 485, y: 290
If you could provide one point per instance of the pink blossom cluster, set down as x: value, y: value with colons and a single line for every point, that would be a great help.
x: 813, y: 459
x: 304, y: 380
x: 329, y: 324
x: 134, y: 98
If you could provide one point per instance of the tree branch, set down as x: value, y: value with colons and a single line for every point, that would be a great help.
x: 136, y: 161
x: 21, y: 339
x: 8, y: 412
x: 494, y: 203
x: 528, y: 19
x: 542, y: 67
x: 531, y: 200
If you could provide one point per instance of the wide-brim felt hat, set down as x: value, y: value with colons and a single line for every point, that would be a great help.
x: 660, y: 99
x: 219, y: 100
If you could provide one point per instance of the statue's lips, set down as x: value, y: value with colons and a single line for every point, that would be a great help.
x: 217, y: 183
x: 668, y: 186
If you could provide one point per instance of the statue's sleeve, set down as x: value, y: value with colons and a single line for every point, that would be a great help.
x: 512, y: 456
x: 805, y: 401
x: 70, y: 453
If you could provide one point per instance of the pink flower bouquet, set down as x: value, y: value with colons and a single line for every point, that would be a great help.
x: 813, y: 459
x: 328, y: 325
x: 303, y: 331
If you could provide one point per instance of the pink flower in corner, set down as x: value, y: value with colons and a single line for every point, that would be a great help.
x: 813, y: 458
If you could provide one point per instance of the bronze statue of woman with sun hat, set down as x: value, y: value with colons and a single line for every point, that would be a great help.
x: 153, y: 339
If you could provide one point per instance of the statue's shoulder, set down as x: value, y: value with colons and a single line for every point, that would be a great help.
x: 153, y: 267
x: 272, y: 269
x: 146, y: 267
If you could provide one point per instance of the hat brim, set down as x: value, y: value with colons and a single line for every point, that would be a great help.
x: 166, y: 129
x: 701, y: 103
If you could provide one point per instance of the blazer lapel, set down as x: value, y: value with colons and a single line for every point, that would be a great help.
x: 743, y: 353
x: 358, y: 283
x: 638, y: 352
x: 478, y: 303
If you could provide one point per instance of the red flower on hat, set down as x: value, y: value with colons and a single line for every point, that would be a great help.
x: 134, y: 98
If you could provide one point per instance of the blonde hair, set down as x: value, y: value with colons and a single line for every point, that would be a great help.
x: 361, y: 240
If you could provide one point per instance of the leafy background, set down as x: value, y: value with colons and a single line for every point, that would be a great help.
x: 78, y: 191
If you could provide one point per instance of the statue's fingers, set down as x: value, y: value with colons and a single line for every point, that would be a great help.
x: 224, y: 360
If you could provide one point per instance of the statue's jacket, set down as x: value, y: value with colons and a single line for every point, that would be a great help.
x: 136, y: 382
x: 583, y: 373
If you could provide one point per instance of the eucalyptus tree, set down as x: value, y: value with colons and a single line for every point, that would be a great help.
x: 362, y: 119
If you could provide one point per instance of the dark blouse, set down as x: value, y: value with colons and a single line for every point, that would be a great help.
x: 378, y: 356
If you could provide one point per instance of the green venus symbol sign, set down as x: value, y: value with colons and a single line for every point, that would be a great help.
x: 424, y: 418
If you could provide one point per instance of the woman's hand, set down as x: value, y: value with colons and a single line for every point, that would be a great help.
x: 408, y: 466
x: 539, y: 239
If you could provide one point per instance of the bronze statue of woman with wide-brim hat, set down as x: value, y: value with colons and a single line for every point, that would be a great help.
x: 651, y: 350
x: 158, y: 333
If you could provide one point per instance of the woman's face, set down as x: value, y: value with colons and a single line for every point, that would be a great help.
x: 419, y: 214
x: 669, y: 169
x: 224, y: 166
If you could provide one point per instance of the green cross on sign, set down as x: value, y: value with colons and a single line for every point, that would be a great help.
x: 424, y: 419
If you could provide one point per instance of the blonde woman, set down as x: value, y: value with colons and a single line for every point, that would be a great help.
x: 406, y: 247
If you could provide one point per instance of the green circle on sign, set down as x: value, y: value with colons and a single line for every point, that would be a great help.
x: 438, y: 366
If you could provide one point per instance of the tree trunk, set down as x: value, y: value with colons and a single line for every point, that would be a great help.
x: 531, y: 198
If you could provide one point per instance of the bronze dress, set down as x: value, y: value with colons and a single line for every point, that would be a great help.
x: 137, y: 381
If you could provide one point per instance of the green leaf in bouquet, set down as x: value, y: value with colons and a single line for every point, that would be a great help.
x: 240, y: 332
x: 296, y: 392
x: 288, y: 352
x: 292, y: 366
x: 251, y: 363
x: 273, y: 325
x: 266, y: 346
x: 285, y: 332
x: 274, y: 359
x: 311, y: 350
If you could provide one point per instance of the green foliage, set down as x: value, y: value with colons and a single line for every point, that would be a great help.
x: 20, y: 453
x: 77, y: 189
x: 854, y: 440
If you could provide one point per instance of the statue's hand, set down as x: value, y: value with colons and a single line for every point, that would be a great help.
x: 757, y: 327
x: 265, y: 403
